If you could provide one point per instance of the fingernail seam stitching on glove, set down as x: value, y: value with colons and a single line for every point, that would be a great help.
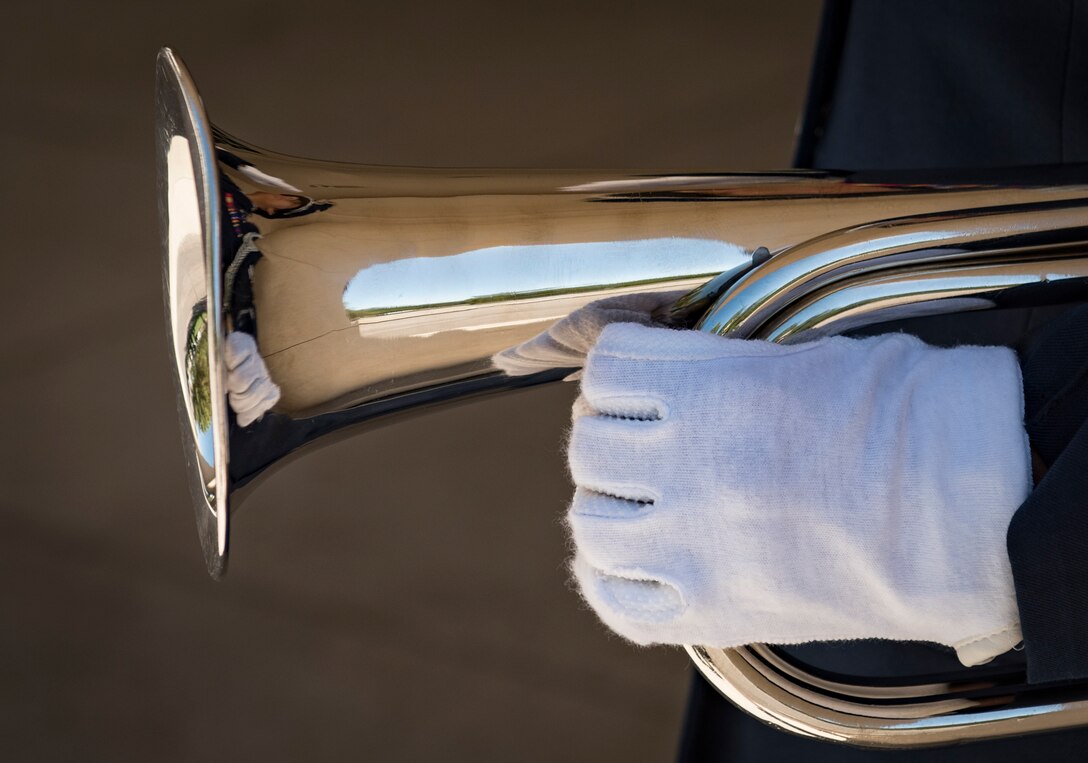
x: 607, y: 582
x: 631, y: 408
x: 592, y: 502
x: 629, y: 417
x: 645, y: 498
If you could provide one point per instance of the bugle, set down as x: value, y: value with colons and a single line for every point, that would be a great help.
x: 378, y: 290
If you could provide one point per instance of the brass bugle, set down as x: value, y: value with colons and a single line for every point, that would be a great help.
x: 383, y: 290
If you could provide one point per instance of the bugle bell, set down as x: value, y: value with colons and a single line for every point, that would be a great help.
x: 378, y: 290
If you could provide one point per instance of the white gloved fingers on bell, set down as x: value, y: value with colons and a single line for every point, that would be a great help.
x: 245, y: 374
x: 263, y: 393
x: 250, y: 390
x: 633, y: 305
x: 253, y: 404
x: 238, y: 348
x: 541, y: 353
x: 580, y: 330
x: 567, y: 341
x: 636, y: 605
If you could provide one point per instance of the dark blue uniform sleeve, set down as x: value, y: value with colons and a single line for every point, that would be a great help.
x: 1048, y: 536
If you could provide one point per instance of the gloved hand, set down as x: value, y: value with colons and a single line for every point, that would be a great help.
x: 250, y: 390
x: 566, y: 342
x: 731, y: 492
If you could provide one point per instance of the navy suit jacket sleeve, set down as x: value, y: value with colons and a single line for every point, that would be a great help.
x: 1048, y: 536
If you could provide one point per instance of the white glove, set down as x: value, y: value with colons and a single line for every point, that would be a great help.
x: 566, y: 342
x: 250, y: 389
x: 731, y: 492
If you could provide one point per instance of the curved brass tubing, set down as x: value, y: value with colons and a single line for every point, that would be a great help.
x: 972, y: 260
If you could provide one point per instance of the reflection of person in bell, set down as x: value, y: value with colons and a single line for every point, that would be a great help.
x: 250, y: 389
x: 278, y: 206
x: 287, y: 201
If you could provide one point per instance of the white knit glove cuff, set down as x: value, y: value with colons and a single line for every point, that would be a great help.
x: 731, y: 492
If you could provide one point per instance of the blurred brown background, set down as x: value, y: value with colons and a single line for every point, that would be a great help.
x: 400, y: 596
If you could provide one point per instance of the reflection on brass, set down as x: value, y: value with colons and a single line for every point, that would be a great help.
x: 196, y: 372
x: 374, y: 290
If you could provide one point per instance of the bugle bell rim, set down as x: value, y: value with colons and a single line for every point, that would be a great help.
x: 190, y: 222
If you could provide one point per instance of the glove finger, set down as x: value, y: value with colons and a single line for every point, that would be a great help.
x: 617, y: 456
x: 238, y: 348
x: 615, y: 533
x: 253, y: 395
x: 246, y: 374
x: 643, y: 302
x: 544, y: 348
x: 567, y: 341
x: 579, y: 331
x: 264, y: 392
x: 252, y: 406
x: 628, y: 604
x: 538, y: 354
